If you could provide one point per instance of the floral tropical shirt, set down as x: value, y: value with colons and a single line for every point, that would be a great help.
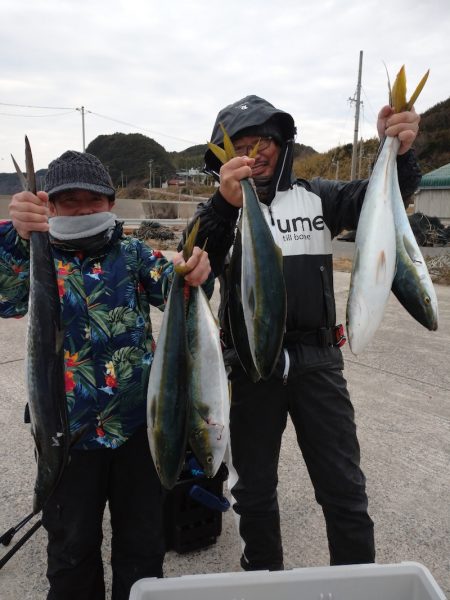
x: 108, y: 343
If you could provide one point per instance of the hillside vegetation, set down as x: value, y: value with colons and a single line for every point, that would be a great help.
x: 432, y: 149
x: 433, y: 141
x: 128, y: 156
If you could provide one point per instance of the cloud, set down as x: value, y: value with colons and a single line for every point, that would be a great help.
x: 168, y: 67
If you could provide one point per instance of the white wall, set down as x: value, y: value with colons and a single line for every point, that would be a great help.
x: 433, y: 203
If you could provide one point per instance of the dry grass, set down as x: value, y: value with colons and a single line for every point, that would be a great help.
x: 162, y: 244
x: 439, y: 268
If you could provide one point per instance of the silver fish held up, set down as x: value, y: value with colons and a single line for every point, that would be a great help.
x: 236, y: 313
x: 382, y: 213
x: 412, y: 283
x: 209, y: 390
x: 168, y: 400
x: 375, y: 253
x: 45, y: 360
x: 262, y: 285
x: 262, y: 289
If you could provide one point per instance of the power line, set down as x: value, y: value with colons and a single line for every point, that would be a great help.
x: 368, y: 102
x: 85, y: 111
x: 37, y: 116
x: 143, y: 128
x: 33, y: 106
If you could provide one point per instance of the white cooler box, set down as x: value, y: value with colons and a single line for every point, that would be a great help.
x: 404, y: 581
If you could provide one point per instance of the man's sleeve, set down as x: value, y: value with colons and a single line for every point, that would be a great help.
x: 342, y: 201
x: 14, y: 272
x: 216, y: 233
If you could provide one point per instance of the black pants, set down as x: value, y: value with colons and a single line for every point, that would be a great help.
x: 319, y: 405
x: 126, y: 478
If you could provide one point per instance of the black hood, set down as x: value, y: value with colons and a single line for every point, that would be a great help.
x: 249, y: 112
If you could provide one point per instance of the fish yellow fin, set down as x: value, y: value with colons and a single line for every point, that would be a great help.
x: 227, y: 152
x: 188, y: 248
x: 227, y: 143
x: 417, y: 91
x: 254, y: 151
x: 218, y: 152
x: 399, y: 91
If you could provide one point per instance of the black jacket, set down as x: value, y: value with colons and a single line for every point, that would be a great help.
x: 304, y: 217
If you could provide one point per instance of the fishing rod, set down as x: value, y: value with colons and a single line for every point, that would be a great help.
x: 6, y: 538
x: 19, y: 544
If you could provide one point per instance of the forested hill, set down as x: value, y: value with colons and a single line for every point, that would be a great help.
x: 432, y: 148
x: 128, y: 156
x: 433, y: 142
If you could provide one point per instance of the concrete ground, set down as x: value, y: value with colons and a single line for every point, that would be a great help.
x: 400, y: 387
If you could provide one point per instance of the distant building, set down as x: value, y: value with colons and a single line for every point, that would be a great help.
x: 192, y: 175
x: 433, y: 196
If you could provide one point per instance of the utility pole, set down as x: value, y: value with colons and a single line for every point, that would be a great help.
x: 358, y: 102
x: 361, y: 150
x: 82, y: 127
x: 150, y: 162
x: 335, y: 163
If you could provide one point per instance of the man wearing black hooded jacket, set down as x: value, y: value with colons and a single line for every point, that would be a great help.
x: 307, y: 383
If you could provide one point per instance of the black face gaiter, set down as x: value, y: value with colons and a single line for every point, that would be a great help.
x: 264, y: 189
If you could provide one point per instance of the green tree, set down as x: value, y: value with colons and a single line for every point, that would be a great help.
x: 127, y: 158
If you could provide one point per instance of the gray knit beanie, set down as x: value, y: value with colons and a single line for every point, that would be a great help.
x: 78, y: 171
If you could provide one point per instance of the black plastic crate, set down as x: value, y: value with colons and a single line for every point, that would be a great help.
x: 189, y: 524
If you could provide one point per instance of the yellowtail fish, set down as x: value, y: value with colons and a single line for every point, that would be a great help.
x: 262, y: 285
x: 45, y: 360
x: 412, y: 283
x: 168, y: 402
x: 208, y: 385
x: 168, y: 397
x: 379, y: 243
x: 237, y: 325
x: 374, y: 261
x: 262, y: 288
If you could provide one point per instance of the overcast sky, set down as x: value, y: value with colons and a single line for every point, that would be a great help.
x: 164, y: 68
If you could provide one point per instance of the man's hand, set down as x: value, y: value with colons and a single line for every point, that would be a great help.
x: 198, y: 266
x: 405, y: 125
x: 231, y: 174
x: 29, y: 213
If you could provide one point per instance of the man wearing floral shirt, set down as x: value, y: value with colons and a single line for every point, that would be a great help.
x: 107, y: 282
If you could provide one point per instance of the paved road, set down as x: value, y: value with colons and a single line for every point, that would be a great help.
x: 400, y: 388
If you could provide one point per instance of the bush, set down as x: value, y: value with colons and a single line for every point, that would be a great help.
x: 155, y: 231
